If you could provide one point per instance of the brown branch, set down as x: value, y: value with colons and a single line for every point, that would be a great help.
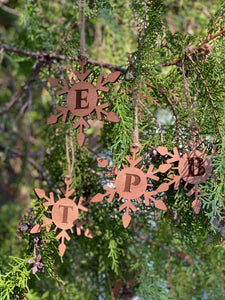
x: 110, y: 287
x: 170, y: 103
x: 207, y: 90
x: 53, y: 56
x: 171, y: 63
x: 202, y: 9
x: 36, y: 55
x: 216, y: 21
x: 219, y: 16
x: 22, y: 90
x: 9, y: 10
x: 208, y: 39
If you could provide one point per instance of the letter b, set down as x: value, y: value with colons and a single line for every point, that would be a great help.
x: 196, y: 166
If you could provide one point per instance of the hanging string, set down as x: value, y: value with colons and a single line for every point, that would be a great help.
x: 69, y: 155
x: 193, y: 127
x: 136, y: 95
x: 82, y: 53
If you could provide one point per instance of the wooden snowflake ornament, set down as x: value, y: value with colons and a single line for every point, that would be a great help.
x: 65, y: 214
x: 131, y: 183
x: 193, y: 167
x: 83, y: 99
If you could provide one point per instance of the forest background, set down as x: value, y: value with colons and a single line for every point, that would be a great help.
x: 172, y: 63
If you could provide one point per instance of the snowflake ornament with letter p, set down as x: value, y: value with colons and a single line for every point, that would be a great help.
x: 82, y: 100
x: 131, y: 183
x: 64, y: 215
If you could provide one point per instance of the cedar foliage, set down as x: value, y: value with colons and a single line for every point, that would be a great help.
x: 160, y: 47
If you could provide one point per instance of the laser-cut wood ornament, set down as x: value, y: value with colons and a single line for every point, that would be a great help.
x: 64, y: 215
x: 193, y: 167
x: 83, y: 99
x: 131, y: 183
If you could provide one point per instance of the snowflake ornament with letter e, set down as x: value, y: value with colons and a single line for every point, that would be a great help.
x: 131, y: 183
x: 64, y: 215
x: 83, y: 99
x: 193, y: 167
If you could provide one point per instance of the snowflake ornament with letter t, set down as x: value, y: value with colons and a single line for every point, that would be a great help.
x: 131, y: 183
x: 83, y: 99
x: 64, y: 215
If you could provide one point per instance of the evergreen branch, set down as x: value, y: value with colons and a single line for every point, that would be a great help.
x: 208, y: 39
x: 43, y: 56
x: 219, y: 16
x: 207, y: 90
x: 216, y: 21
x: 22, y: 90
x: 170, y: 103
x: 144, y: 24
x: 150, y: 113
x: 179, y: 254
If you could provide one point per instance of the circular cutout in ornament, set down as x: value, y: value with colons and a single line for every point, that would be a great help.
x: 131, y: 183
x: 64, y: 213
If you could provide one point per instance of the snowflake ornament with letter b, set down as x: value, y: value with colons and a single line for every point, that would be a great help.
x: 193, y: 167
x: 64, y: 215
x: 82, y: 100
x: 131, y: 183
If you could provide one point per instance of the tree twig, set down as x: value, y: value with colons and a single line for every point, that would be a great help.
x: 47, y: 57
x: 22, y: 90
x: 170, y: 103
x: 9, y: 10
x: 33, y: 163
x: 208, y: 39
x: 179, y: 254
x: 151, y: 115
x: 207, y: 90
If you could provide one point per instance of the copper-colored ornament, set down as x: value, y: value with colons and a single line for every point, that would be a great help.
x: 65, y: 214
x: 83, y: 99
x: 131, y: 183
x: 193, y: 167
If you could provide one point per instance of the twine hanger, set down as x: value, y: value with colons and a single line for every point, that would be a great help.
x: 136, y: 94
x: 82, y: 53
x: 193, y: 127
x: 136, y: 97
x: 69, y: 156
